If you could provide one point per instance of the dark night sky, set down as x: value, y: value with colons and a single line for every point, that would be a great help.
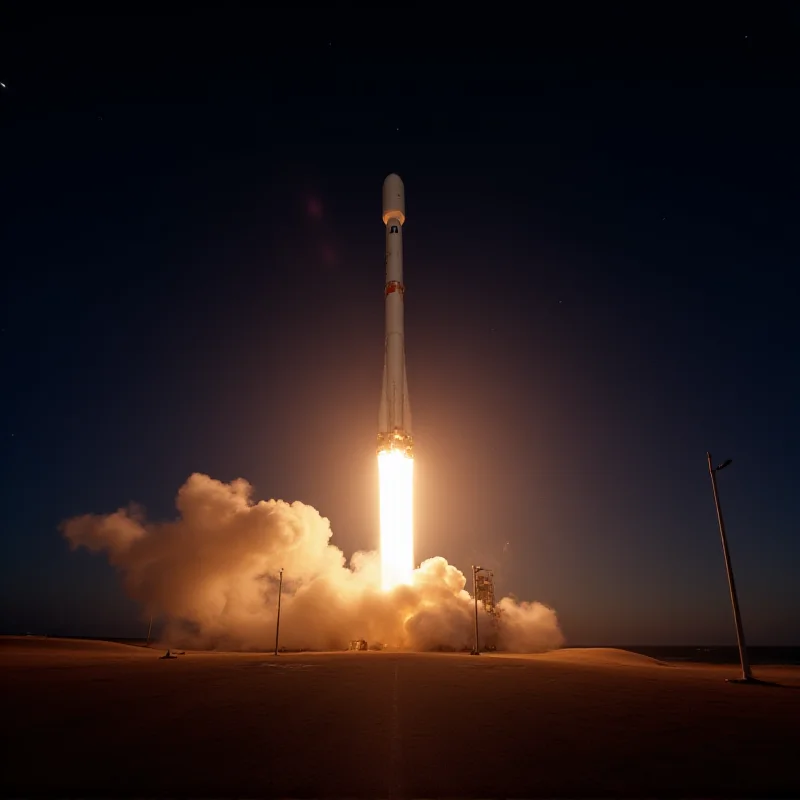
x: 600, y: 256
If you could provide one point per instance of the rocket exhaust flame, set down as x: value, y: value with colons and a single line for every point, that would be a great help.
x: 395, y: 455
x: 396, y: 475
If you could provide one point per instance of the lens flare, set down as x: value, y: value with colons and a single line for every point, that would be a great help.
x: 396, y: 477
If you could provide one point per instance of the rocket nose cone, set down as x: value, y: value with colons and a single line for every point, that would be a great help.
x: 394, y: 199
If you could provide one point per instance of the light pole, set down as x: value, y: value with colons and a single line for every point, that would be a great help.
x: 149, y: 628
x: 747, y: 676
x: 278, y: 620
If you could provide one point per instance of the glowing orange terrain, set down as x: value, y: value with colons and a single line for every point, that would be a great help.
x: 114, y: 720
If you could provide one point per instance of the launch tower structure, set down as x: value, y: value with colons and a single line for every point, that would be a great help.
x: 484, y: 590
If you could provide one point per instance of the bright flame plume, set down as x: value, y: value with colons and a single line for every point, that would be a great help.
x: 396, y: 477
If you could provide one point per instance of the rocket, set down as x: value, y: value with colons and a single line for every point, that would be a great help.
x: 394, y: 417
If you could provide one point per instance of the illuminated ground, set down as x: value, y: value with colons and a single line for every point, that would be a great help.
x: 107, y: 719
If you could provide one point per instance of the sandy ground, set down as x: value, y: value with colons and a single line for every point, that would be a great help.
x: 96, y: 718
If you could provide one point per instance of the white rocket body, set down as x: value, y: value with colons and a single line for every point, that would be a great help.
x: 394, y: 417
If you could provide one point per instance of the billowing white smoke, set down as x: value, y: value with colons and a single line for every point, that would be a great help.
x: 212, y: 575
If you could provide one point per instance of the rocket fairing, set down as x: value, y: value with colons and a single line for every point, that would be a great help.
x: 394, y: 417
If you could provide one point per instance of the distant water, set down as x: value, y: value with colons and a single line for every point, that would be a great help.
x: 722, y: 655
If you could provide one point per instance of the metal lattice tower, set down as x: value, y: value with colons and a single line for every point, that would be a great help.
x: 484, y: 590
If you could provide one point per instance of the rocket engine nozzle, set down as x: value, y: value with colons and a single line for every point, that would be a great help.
x: 396, y: 441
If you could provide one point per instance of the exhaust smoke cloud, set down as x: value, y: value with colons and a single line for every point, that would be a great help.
x: 211, y: 575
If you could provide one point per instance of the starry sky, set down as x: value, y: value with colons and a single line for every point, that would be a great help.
x: 600, y: 264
